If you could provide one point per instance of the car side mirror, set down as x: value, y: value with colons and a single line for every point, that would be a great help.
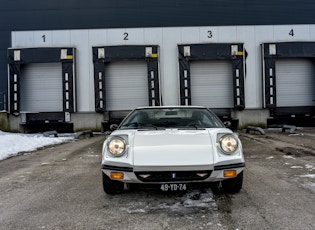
x: 227, y: 124
x: 113, y: 127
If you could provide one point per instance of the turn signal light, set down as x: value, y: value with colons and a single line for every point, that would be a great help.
x: 229, y: 173
x: 117, y: 175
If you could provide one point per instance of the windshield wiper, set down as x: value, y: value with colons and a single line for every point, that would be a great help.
x: 139, y: 124
x: 191, y: 127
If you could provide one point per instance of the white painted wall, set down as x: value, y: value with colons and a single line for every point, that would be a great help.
x: 167, y: 39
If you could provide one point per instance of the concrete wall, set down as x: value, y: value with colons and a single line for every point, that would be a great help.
x: 87, y: 121
x: 253, y: 117
x: 34, y: 15
x: 14, y: 123
x: 167, y: 38
x: 4, y: 121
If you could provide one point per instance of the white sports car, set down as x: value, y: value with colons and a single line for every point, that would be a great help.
x: 172, y: 148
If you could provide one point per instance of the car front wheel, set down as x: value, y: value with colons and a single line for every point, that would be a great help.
x: 111, y: 186
x: 232, y: 185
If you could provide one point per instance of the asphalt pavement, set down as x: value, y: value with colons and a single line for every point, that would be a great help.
x: 59, y: 187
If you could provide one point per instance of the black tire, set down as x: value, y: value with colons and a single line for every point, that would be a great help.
x: 111, y: 186
x: 233, y: 185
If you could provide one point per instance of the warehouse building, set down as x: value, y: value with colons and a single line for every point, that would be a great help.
x: 78, y: 65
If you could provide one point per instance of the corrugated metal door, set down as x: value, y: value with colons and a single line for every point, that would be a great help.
x: 295, y: 82
x: 41, y: 87
x: 212, y: 83
x: 126, y: 85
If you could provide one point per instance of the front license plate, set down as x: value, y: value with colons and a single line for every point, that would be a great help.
x: 173, y: 187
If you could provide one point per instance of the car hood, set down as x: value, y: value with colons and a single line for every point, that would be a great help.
x: 172, y: 148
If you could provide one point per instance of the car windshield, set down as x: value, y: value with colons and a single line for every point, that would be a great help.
x: 162, y: 118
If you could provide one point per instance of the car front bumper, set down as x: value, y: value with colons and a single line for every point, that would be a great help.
x: 178, y: 174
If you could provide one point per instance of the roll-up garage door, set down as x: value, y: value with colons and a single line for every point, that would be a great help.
x: 212, y: 83
x: 41, y: 87
x: 126, y: 85
x: 295, y: 82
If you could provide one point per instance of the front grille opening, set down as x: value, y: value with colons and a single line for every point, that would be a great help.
x: 172, y: 176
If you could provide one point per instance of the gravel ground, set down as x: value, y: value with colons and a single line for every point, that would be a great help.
x: 59, y: 187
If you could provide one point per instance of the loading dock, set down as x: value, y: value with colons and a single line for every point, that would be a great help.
x: 289, y: 83
x: 213, y: 75
x: 125, y: 77
x: 295, y: 82
x: 126, y: 85
x: 211, y: 84
x: 42, y: 86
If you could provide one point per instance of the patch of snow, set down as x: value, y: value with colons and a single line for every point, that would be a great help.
x: 296, y: 167
x: 271, y: 157
x: 191, y: 201
x: 309, y: 167
x: 310, y: 186
x: 296, y: 134
x: 288, y: 157
x: 308, y: 176
x: 11, y: 144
